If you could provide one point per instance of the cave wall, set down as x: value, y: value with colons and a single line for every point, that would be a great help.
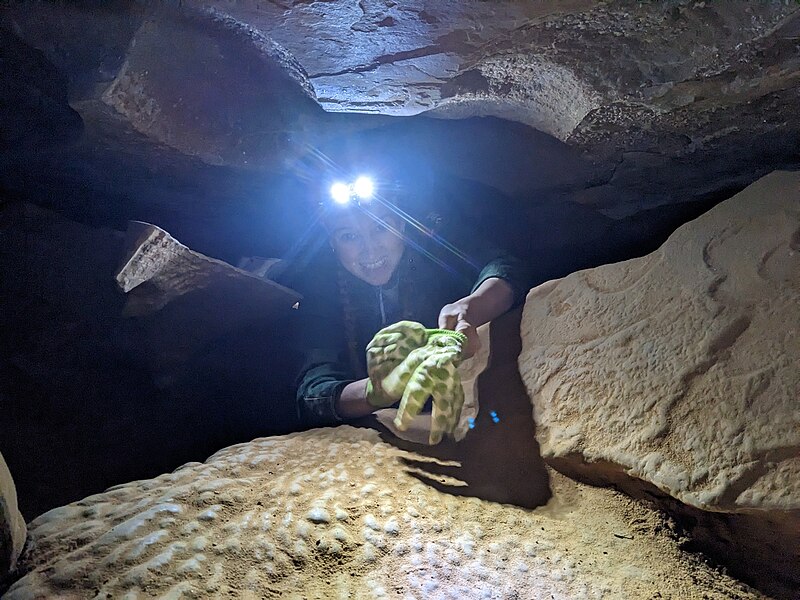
x: 658, y: 102
x: 676, y: 374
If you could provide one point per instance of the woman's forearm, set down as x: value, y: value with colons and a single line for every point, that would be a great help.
x: 352, y: 402
x: 493, y: 298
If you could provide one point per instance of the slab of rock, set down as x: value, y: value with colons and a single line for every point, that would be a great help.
x: 12, y: 525
x: 213, y: 87
x: 195, y: 298
x: 680, y: 368
x: 333, y: 513
x: 158, y: 269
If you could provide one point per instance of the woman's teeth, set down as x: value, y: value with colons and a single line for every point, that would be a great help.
x: 371, y: 266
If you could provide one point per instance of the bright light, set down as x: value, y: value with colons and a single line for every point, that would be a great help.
x: 340, y: 192
x: 363, y: 187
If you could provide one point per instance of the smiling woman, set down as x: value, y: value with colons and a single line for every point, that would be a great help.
x: 366, y: 243
x: 376, y: 270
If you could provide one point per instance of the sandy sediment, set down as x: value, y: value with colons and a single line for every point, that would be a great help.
x: 335, y: 513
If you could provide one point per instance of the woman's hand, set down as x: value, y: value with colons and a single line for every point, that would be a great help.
x: 455, y: 316
x: 492, y: 298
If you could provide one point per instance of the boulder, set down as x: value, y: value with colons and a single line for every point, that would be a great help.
x: 674, y: 378
x: 680, y: 368
x: 333, y: 513
x: 12, y: 525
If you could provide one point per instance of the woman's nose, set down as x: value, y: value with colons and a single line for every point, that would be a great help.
x: 373, y: 242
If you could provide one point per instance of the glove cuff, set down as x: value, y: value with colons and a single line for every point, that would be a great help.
x: 432, y: 333
x: 377, y: 397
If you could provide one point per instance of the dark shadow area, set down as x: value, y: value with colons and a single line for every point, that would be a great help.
x: 91, y: 399
x: 91, y: 424
x: 34, y: 111
x: 759, y: 551
x: 500, y: 462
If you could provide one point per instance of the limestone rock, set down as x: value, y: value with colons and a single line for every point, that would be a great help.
x: 679, y: 101
x: 12, y: 525
x: 158, y: 269
x: 213, y: 87
x: 680, y: 368
x: 332, y: 513
x: 547, y: 63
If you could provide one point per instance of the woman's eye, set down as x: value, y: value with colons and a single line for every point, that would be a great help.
x: 348, y: 237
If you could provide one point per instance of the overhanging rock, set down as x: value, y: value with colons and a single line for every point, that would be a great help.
x: 680, y: 368
x: 213, y: 87
x: 191, y: 297
x: 158, y: 269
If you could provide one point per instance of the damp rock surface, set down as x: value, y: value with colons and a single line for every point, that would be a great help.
x: 680, y: 368
x: 12, y: 525
x: 332, y: 513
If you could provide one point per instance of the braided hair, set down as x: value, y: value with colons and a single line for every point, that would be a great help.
x: 349, y: 319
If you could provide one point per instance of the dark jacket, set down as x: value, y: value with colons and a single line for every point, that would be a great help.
x: 339, y: 313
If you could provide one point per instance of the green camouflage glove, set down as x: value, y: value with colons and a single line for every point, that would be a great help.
x: 430, y: 371
x: 390, y: 347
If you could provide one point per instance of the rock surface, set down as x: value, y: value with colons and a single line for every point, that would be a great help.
x: 548, y: 64
x: 158, y: 269
x: 209, y: 85
x: 12, y: 525
x: 680, y: 368
x: 333, y: 514
x: 675, y: 101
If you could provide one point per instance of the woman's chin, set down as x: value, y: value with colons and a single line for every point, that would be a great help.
x: 376, y: 277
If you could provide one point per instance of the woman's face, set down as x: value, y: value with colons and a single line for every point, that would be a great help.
x: 365, y: 247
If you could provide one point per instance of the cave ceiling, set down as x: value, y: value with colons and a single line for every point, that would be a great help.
x: 183, y: 112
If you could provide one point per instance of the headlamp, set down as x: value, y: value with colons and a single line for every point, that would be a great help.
x: 360, y: 189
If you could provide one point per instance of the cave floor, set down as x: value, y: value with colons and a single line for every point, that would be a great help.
x: 338, y: 513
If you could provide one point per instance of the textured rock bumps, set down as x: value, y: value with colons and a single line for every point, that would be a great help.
x: 681, y: 367
x: 334, y: 514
